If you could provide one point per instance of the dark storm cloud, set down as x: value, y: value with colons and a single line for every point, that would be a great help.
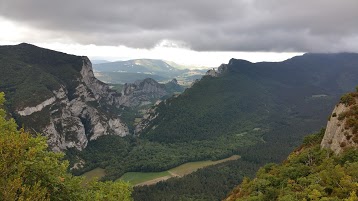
x: 207, y: 25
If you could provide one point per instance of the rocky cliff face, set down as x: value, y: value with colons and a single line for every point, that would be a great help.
x: 342, y: 127
x: 142, y: 92
x: 78, y: 116
x: 215, y: 73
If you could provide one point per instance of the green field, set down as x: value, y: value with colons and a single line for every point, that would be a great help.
x: 140, y: 177
x: 148, y: 178
x: 95, y: 173
x: 188, y: 168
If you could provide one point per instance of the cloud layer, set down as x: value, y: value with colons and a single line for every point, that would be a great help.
x: 203, y: 25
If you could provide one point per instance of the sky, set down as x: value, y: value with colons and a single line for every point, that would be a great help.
x: 200, y: 32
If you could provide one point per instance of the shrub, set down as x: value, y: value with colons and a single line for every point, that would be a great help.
x: 348, y: 100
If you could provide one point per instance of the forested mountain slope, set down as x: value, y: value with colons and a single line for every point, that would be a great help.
x: 318, y: 169
x: 248, y: 95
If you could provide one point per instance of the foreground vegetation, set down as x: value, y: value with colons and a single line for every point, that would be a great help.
x: 28, y: 171
x: 309, y: 173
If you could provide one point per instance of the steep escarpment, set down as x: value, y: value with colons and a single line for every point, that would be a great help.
x: 57, y: 94
x: 342, y: 127
x: 147, y: 91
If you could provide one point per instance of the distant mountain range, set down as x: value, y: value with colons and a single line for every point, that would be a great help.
x: 121, y: 72
x: 99, y: 61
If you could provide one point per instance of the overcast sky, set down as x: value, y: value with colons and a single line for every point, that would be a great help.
x: 182, y: 29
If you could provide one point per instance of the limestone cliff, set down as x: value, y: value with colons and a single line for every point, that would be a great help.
x: 215, y: 73
x: 142, y: 92
x: 56, y: 94
x: 342, y: 127
x: 75, y: 118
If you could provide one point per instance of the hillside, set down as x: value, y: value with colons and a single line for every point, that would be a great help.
x: 254, y: 95
x: 317, y: 170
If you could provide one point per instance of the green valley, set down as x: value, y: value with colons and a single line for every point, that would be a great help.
x: 149, y: 178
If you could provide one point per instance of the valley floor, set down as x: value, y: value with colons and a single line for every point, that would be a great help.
x: 150, y: 178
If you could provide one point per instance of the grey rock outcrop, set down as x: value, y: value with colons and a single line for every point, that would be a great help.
x: 148, y: 117
x: 338, y: 136
x: 215, y: 73
x: 142, y: 92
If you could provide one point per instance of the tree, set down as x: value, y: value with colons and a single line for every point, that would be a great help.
x: 28, y: 171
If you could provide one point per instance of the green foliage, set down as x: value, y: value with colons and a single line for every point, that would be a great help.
x: 313, y: 138
x: 348, y: 99
x: 28, y: 171
x: 309, y: 173
x: 211, y: 108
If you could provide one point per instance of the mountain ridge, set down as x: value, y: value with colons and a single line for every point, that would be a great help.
x: 131, y: 70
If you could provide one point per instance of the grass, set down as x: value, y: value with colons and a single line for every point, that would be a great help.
x: 139, y: 177
x: 95, y: 173
x: 147, y: 178
x: 188, y: 168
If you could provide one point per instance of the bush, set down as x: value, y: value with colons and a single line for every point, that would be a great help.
x: 348, y: 100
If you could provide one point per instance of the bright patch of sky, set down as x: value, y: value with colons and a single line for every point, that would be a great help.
x: 12, y: 34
